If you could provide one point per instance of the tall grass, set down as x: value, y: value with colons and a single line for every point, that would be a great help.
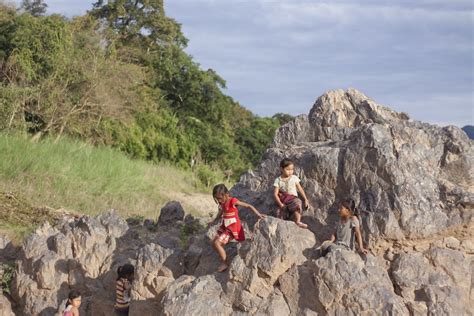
x: 77, y: 176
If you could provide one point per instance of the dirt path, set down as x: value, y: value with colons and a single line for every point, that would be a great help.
x: 197, y: 204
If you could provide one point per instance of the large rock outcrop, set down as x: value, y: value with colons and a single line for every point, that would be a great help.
x: 411, y: 179
x: 413, y: 182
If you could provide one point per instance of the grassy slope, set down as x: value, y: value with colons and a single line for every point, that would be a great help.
x: 76, y: 176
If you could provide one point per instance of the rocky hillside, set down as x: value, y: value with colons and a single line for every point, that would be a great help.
x: 412, y: 180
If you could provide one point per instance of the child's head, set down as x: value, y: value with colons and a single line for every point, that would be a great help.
x: 126, y: 272
x: 220, y: 193
x: 287, y: 167
x: 347, y: 208
x: 74, y: 299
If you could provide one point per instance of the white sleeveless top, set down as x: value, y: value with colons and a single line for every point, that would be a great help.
x: 287, y: 185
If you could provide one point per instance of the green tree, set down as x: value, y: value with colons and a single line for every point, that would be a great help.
x: 34, y: 7
x: 254, y: 140
x: 283, y: 118
x: 140, y: 20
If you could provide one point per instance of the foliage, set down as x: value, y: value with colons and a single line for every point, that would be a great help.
x: 87, y: 179
x: 119, y: 76
x: 34, y: 7
x: 7, y: 273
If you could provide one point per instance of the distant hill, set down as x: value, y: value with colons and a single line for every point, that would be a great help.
x: 469, y: 129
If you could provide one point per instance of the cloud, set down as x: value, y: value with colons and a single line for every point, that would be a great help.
x: 279, y: 55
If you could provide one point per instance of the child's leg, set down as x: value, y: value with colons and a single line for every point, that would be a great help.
x: 219, y: 247
x: 298, y: 220
x: 218, y: 244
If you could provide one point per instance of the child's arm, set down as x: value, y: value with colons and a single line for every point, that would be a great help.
x: 260, y: 215
x: 277, y: 199
x: 359, y: 240
x: 219, y: 215
x: 301, y: 191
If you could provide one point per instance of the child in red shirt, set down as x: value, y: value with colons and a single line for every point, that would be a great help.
x: 231, y: 227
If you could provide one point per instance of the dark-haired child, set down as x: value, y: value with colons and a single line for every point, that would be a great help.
x: 73, y: 303
x: 231, y: 227
x: 287, y: 186
x: 125, y: 276
x: 347, y: 233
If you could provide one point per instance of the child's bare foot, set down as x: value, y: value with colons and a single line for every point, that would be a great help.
x: 222, y: 267
x: 302, y: 225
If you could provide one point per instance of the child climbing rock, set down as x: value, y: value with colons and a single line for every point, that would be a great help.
x: 122, y: 291
x: 287, y: 186
x: 231, y: 227
x: 347, y: 230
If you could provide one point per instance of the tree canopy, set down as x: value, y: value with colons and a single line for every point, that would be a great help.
x: 119, y: 76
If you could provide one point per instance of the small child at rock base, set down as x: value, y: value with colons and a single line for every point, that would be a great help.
x: 73, y: 303
x: 122, y: 290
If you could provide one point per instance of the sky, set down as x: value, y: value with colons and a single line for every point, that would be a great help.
x: 280, y: 55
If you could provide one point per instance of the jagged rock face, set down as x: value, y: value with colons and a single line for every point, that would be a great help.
x: 437, y: 281
x: 342, y: 283
x: 156, y: 267
x: 195, y: 296
x: 411, y: 179
x: 348, y: 285
x: 276, y: 246
x: 248, y: 286
x: 84, y: 254
x: 73, y: 254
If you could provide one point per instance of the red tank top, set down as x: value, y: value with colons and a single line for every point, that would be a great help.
x: 229, y: 210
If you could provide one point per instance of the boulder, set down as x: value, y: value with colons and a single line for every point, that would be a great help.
x: 345, y: 284
x: 195, y: 296
x: 438, y: 281
x: 171, y: 213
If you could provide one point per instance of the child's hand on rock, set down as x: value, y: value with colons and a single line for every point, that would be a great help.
x: 306, y: 204
x: 364, y: 251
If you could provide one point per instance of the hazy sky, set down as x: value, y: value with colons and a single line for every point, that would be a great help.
x: 280, y: 55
